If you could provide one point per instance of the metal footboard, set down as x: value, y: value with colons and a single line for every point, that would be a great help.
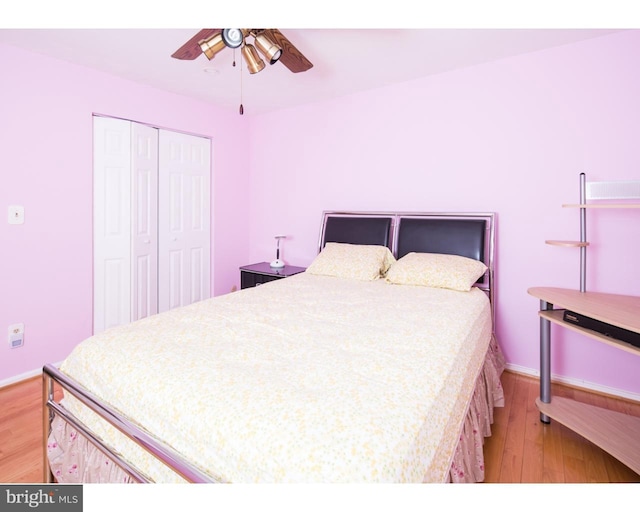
x: 161, y: 451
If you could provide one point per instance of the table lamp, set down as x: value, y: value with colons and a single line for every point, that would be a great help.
x: 278, y: 263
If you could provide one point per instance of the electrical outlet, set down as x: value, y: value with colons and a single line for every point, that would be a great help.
x: 16, y: 335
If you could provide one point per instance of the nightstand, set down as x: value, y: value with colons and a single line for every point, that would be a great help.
x: 260, y: 273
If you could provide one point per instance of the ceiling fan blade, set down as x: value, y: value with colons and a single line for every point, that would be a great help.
x: 191, y: 49
x: 291, y: 56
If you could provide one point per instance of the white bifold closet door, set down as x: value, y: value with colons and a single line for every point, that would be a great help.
x: 151, y: 220
x: 184, y: 237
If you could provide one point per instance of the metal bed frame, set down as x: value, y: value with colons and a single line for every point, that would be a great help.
x: 161, y: 451
x: 337, y: 226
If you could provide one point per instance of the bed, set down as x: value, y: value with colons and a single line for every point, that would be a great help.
x: 377, y: 364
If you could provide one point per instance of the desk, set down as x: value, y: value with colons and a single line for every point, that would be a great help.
x: 614, y: 432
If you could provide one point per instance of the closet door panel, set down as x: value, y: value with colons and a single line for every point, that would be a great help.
x: 175, y: 279
x: 197, y: 271
x: 111, y: 223
x: 184, y: 219
x: 144, y: 227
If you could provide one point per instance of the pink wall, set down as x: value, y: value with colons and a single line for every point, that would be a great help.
x: 46, y: 111
x: 510, y: 137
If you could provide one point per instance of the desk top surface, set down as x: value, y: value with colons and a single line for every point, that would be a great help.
x: 620, y: 310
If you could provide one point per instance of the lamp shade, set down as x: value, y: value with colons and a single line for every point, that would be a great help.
x: 254, y: 63
x: 210, y: 47
x: 268, y: 48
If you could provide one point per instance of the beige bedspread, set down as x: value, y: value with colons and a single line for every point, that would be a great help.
x: 306, y: 379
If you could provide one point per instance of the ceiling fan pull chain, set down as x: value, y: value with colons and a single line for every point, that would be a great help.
x: 241, y: 107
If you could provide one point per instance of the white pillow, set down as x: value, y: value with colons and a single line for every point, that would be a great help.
x: 363, y: 262
x: 436, y: 270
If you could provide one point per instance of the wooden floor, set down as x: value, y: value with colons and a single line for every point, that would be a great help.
x: 520, y: 450
x: 21, y: 432
x: 524, y: 450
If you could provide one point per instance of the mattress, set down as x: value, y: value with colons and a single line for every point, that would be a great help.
x: 305, y: 379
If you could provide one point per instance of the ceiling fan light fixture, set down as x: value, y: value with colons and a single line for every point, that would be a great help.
x: 232, y: 37
x: 271, y: 51
x: 254, y: 63
x: 211, y: 46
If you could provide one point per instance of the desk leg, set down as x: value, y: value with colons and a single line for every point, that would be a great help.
x: 545, y: 360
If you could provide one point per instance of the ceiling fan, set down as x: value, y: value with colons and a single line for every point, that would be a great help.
x: 270, y: 42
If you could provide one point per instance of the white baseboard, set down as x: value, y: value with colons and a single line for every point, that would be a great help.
x: 24, y: 376
x: 577, y: 383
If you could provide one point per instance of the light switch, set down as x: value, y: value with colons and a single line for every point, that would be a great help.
x: 15, y: 215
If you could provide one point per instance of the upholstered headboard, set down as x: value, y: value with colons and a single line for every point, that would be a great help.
x: 464, y: 237
x: 462, y: 234
x: 362, y: 229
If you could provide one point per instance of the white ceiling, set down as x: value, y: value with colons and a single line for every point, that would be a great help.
x: 344, y: 60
